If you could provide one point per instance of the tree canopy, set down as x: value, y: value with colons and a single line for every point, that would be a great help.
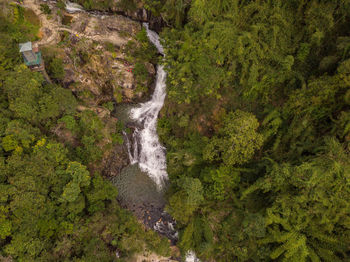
x: 53, y: 205
x: 256, y: 125
x: 258, y: 113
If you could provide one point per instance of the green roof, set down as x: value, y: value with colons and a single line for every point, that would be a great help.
x: 35, y: 62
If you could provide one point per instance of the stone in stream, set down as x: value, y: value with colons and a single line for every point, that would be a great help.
x: 138, y: 193
x: 142, y: 184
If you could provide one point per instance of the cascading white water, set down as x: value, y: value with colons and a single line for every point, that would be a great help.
x: 73, y: 7
x: 191, y: 257
x: 147, y: 150
x: 150, y: 154
x: 131, y: 157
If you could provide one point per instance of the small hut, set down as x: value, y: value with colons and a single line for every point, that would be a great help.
x: 31, y: 56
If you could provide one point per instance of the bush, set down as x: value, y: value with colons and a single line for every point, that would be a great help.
x: 60, y: 4
x: 128, y: 5
x: 45, y: 9
x: 109, y: 105
x: 109, y: 46
x: 140, y: 72
x: 55, y: 68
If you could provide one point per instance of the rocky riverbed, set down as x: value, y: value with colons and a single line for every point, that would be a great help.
x: 99, y: 71
x: 93, y: 48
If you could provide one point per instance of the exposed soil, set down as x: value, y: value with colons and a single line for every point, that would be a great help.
x: 105, y: 74
x: 49, y: 28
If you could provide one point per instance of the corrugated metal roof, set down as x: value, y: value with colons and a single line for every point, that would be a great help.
x: 37, y: 61
x: 25, y: 47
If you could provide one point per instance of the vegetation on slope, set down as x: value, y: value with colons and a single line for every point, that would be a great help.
x: 52, y: 207
x: 256, y: 127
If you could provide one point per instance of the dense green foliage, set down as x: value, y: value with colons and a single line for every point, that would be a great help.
x: 257, y: 128
x: 55, y: 68
x: 53, y: 206
x: 45, y: 9
x: 140, y: 52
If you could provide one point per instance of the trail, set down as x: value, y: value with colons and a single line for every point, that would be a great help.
x: 147, y: 149
x: 49, y: 28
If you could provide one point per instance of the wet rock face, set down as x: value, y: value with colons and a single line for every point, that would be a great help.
x: 141, y: 15
x: 150, y: 68
x: 115, y: 29
x: 156, y: 23
x: 117, y: 160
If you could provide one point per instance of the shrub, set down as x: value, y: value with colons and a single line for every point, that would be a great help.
x: 60, y: 4
x: 45, y: 9
x: 55, y: 68
x: 140, y: 72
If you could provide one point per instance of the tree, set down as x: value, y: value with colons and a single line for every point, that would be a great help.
x: 220, y: 182
x: 307, y: 227
x: 197, y: 236
x: 236, y: 141
x: 100, y: 193
x: 186, y: 201
x: 283, y: 64
x: 5, y: 223
x: 33, y: 101
x: 23, y: 90
x: 55, y: 68
x: 80, y: 178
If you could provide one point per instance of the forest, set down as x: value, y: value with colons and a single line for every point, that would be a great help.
x: 53, y: 205
x: 256, y: 125
x: 257, y: 128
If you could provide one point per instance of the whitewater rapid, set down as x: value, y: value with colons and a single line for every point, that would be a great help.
x: 73, y: 7
x: 147, y: 150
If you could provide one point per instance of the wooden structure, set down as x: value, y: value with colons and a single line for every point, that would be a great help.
x: 32, y: 58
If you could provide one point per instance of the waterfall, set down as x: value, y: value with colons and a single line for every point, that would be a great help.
x: 191, y: 257
x: 73, y: 7
x: 131, y: 156
x: 148, y: 152
x: 145, y: 148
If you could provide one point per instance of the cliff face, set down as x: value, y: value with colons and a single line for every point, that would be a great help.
x: 95, y: 53
x: 134, y: 9
x: 96, y: 66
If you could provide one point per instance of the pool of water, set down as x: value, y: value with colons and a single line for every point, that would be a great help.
x: 142, y: 184
x: 136, y: 189
x: 122, y: 112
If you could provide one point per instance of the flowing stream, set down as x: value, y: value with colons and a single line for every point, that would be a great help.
x: 147, y: 150
x: 73, y: 7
